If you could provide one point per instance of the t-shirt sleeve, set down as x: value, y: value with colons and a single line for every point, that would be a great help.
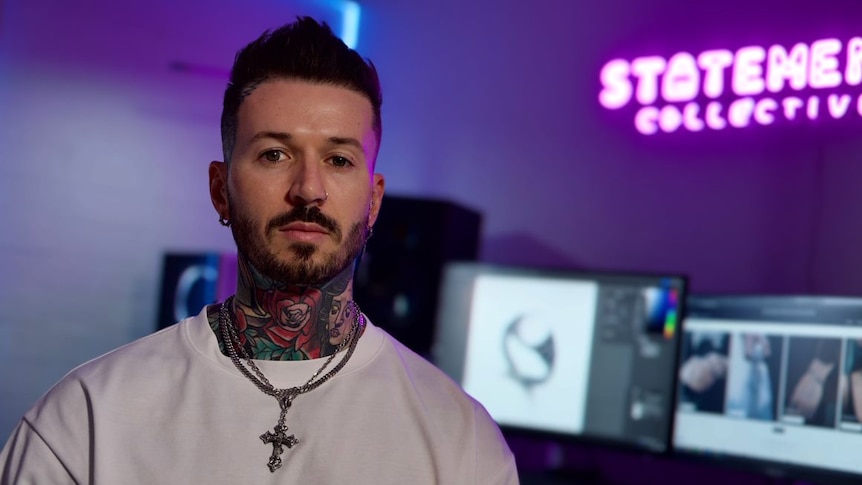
x: 495, y: 460
x: 507, y: 475
x: 27, y: 459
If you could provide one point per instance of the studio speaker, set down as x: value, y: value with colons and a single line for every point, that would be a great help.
x: 397, y: 282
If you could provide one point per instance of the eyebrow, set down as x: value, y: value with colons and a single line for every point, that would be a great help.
x: 278, y: 135
x: 286, y: 137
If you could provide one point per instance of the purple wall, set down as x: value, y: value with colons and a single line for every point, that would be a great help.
x: 499, y: 110
x: 104, y: 151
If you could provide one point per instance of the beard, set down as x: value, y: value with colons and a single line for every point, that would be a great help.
x: 301, y: 269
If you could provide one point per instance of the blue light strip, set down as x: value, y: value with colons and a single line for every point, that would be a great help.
x: 350, y: 14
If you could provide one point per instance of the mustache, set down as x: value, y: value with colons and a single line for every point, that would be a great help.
x: 310, y: 214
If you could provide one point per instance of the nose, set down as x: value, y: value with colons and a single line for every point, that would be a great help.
x: 307, y: 186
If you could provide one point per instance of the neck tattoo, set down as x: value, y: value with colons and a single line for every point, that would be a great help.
x: 278, y: 437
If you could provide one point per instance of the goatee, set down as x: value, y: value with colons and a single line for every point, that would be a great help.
x: 300, y: 269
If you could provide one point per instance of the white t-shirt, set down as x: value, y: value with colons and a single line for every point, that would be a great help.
x: 170, y: 408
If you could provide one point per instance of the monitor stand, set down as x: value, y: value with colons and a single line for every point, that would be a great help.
x: 561, y: 468
x: 568, y: 476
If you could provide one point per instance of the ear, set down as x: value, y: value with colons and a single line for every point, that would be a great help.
x: 377, y: 188
x: 218, y: 188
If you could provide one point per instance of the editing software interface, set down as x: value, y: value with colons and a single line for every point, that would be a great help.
x: 570, y: 354
x: 772, y: 382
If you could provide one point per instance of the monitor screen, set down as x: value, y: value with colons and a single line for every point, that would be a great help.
x: 571, y: 354
x: 772, y: 382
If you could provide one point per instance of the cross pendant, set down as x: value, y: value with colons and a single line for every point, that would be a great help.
x: 279, y: 439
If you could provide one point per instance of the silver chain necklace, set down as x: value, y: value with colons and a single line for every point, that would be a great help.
x: 278, y: 437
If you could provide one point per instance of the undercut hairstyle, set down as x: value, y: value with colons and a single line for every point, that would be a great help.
x: 303, y: 50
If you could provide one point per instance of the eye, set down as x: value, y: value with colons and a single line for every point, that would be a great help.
x: 339, y: 161
x: 273, y: 156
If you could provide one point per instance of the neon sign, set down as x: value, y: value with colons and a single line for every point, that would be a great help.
x: 718, y: 89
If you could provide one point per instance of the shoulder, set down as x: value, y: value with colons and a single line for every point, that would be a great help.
x: 416, y: 388
x: 111, y: 374
x: 418, y: 368
x: 411, y: 373
x: 139, y: 356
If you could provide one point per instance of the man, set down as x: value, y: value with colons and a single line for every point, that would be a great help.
x: 287, y: 382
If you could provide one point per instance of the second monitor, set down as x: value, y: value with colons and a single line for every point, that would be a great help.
x: 773, y: 383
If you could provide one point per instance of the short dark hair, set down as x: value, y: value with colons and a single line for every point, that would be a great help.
x: 304, y: 50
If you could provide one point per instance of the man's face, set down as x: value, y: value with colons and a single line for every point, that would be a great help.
x: 301, y: 192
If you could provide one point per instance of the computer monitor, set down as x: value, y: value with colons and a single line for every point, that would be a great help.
x: 588, y: 356
x: 774, y: 383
